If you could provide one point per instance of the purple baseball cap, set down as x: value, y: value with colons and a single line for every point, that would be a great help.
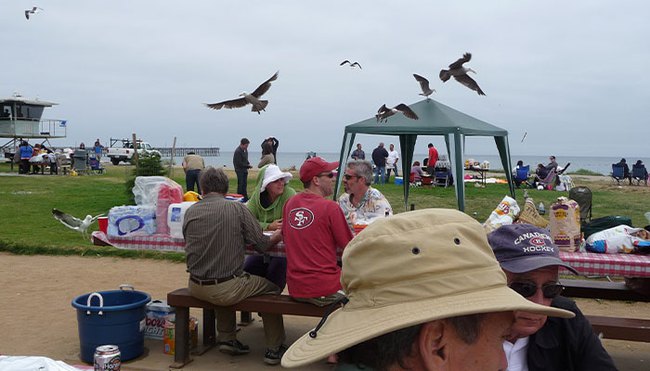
x: 521, y: 248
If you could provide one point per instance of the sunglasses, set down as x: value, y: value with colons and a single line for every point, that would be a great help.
x: 329, y: 175
x: 348, y: 176
x: 528, y: 289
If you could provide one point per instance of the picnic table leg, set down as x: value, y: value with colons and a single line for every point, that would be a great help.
x: 182, y: 338
x: 245, y: 318
x: 209, y: 332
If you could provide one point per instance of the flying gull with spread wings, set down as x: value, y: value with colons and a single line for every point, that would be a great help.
x: 33, y: 10
x: 384, y: 112
x: 352, y: 64
x: 424, y: 85
x: 252, y: 98
x: 459, y: 72
x: 74, y: 222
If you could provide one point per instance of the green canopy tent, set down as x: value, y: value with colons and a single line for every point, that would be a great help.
x: 435, y: 119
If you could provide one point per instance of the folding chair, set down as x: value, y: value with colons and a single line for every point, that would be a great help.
x: 95, y: 165
x: 80, y: 162
x: 522, y: 176
x: 618, y: 174
x: 582, y: 195
x: 639, y: 174
x: 441, y: 177
x: 549, y: 181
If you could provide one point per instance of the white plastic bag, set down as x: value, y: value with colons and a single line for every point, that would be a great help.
x: 619, y: 239
x: 22, y: 363
x: 146, y: 189
x: 505, y: 213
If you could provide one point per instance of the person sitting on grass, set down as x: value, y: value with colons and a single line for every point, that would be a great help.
x: 417, y: 172
x: 531, y: 262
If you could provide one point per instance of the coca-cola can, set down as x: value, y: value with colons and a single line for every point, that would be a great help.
x: 107, y: 358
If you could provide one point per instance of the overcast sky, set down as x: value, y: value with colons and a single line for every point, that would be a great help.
x: 572, y: 74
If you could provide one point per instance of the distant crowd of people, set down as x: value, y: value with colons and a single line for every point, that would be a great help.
x: 37, y: 158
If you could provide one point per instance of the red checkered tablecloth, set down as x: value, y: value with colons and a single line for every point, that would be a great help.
x: 161, y: 242
x: 157, y: 242
x: 620, y: 265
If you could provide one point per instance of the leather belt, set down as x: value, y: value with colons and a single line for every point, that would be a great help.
x: 211, y: 282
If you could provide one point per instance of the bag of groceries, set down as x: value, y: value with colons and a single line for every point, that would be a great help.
x: 529, y: 215
x: 565, y: 224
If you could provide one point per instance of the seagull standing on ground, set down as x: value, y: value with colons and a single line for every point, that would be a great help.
x: 352, y: 65
x: 459, y: 72
x: 252, y: 98
x: 33, y: 10
x: 75, y: 223
x: 384, y: 112
x: 424, y: 85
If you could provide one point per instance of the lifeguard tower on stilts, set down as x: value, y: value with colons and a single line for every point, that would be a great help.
x: 21, y: 118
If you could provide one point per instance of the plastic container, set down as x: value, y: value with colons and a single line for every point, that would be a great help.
x: 114, y: 317
x: 102, y: 221
x: 399, y: 180
x: 175, y: 215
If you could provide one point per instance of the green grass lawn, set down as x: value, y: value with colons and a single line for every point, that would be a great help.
x: 27, y: 225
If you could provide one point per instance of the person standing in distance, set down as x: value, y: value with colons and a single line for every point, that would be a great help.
x: 241, y: 164
x: 192, y: 165
x: 379, y: 156
x: 433, y: 158
x: 391, y: 161
x: 358, y: 154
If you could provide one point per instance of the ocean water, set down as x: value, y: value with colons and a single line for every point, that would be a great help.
x: 601, y: 165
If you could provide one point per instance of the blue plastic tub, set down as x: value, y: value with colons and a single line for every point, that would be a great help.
x: 399, y: 180
x: 114, y: 317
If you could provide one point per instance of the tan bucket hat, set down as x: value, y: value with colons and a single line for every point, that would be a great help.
x: 409, y: 269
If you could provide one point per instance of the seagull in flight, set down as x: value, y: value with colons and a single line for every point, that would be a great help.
x: 33, y: 10
x: 384, y: 112
x: 352, y: 65
x: 252, y: 98
x: 75, y: 223
x: 459, y: 72
x: 424, y: 85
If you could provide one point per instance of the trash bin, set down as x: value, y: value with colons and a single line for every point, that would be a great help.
x: 115, y: 317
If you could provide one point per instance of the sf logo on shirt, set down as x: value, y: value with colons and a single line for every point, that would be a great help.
x: 300, y: 218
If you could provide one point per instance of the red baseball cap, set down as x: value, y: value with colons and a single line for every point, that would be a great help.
x: 314, y: 166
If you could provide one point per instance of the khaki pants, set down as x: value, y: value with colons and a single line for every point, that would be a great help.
x: 234, y: 291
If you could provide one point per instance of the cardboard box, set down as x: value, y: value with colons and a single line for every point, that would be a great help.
x: 169, y: 343
x: 157, y: 313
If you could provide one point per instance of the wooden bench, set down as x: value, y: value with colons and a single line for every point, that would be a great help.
x: 182, y: 301
x: 632, y: 329
x: 576, y: 288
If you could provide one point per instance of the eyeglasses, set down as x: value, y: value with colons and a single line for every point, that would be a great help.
x: 329, y: 175
x: 348, y: 176
x: 528, y: 289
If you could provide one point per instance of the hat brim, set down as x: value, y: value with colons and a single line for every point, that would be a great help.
x: 523, y: 265
x: 286, y: 176
x: 347, y: 326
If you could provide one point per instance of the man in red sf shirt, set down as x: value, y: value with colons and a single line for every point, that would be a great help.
x: 313, y: 228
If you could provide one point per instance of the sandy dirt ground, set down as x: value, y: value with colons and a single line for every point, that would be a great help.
x: 38, y: 319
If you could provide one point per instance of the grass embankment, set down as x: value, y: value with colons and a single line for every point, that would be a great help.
x: 27, y: 225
